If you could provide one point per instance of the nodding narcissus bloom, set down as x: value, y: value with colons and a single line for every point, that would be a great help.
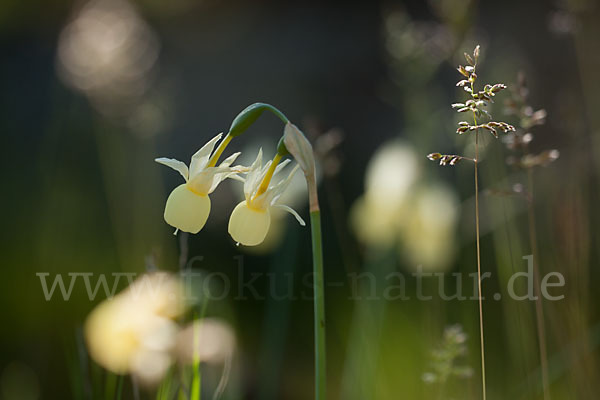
x: 188, y: 204
x: 250, y: 220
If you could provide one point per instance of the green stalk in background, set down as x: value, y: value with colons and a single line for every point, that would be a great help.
x: 523, y: 159
x: 539, y: 310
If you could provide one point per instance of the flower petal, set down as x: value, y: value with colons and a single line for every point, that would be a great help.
x: 236, y: 177
x: 186, y: 210
x: 220, y: 177
x: 249, y: 226
x: 280, y: 187
x: 291, y: 211
x: 176, y: 165
x: 253, y: 176
x: 201, y: 157
x: 229, y: 160
x: 281, y: 166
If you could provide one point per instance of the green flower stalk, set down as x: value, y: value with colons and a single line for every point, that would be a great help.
x: 299, y: 147
x: 295, y: 144
x: 477, y: 106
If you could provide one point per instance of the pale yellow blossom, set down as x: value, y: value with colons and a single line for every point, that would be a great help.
x: 188, y: 206
x: 250, y: 220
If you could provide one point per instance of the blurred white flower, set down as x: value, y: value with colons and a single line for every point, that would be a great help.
x: 134, y: 332
x: 208, y: 340
x: 391, y: 172
x: 428, y: 233
x: 378, y: 215
x: 398, y: 209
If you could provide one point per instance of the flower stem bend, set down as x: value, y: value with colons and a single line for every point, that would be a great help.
x: 250, y: 114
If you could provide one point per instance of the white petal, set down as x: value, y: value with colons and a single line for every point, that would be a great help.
x: 204, y: 181
x: 186, y: 210
x: 278, y: 189
x: 250, y: 185
x: 176, y: 165
x: 229, y: 160
x: 218, y: 178
x: 291, y: 211
x: 237, y: 177
x: 281, y: 166
x: 249, y: 226
x: 200, y: 159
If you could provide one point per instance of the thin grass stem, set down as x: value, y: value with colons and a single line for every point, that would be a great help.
x: 481, y: 336
x: 484, y: 391
x: 539, y: 310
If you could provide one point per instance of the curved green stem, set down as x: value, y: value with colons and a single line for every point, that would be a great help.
x: 250, y: 114
x: 275, y: 111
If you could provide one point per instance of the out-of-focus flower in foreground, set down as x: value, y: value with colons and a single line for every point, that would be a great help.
x: 188, y: 205
x: 250, y: 220
x: 209, y: 340
x: 134, y: 332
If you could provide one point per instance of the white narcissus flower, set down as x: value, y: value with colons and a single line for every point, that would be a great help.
x: 250, y: 220
x: 188, y: 204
